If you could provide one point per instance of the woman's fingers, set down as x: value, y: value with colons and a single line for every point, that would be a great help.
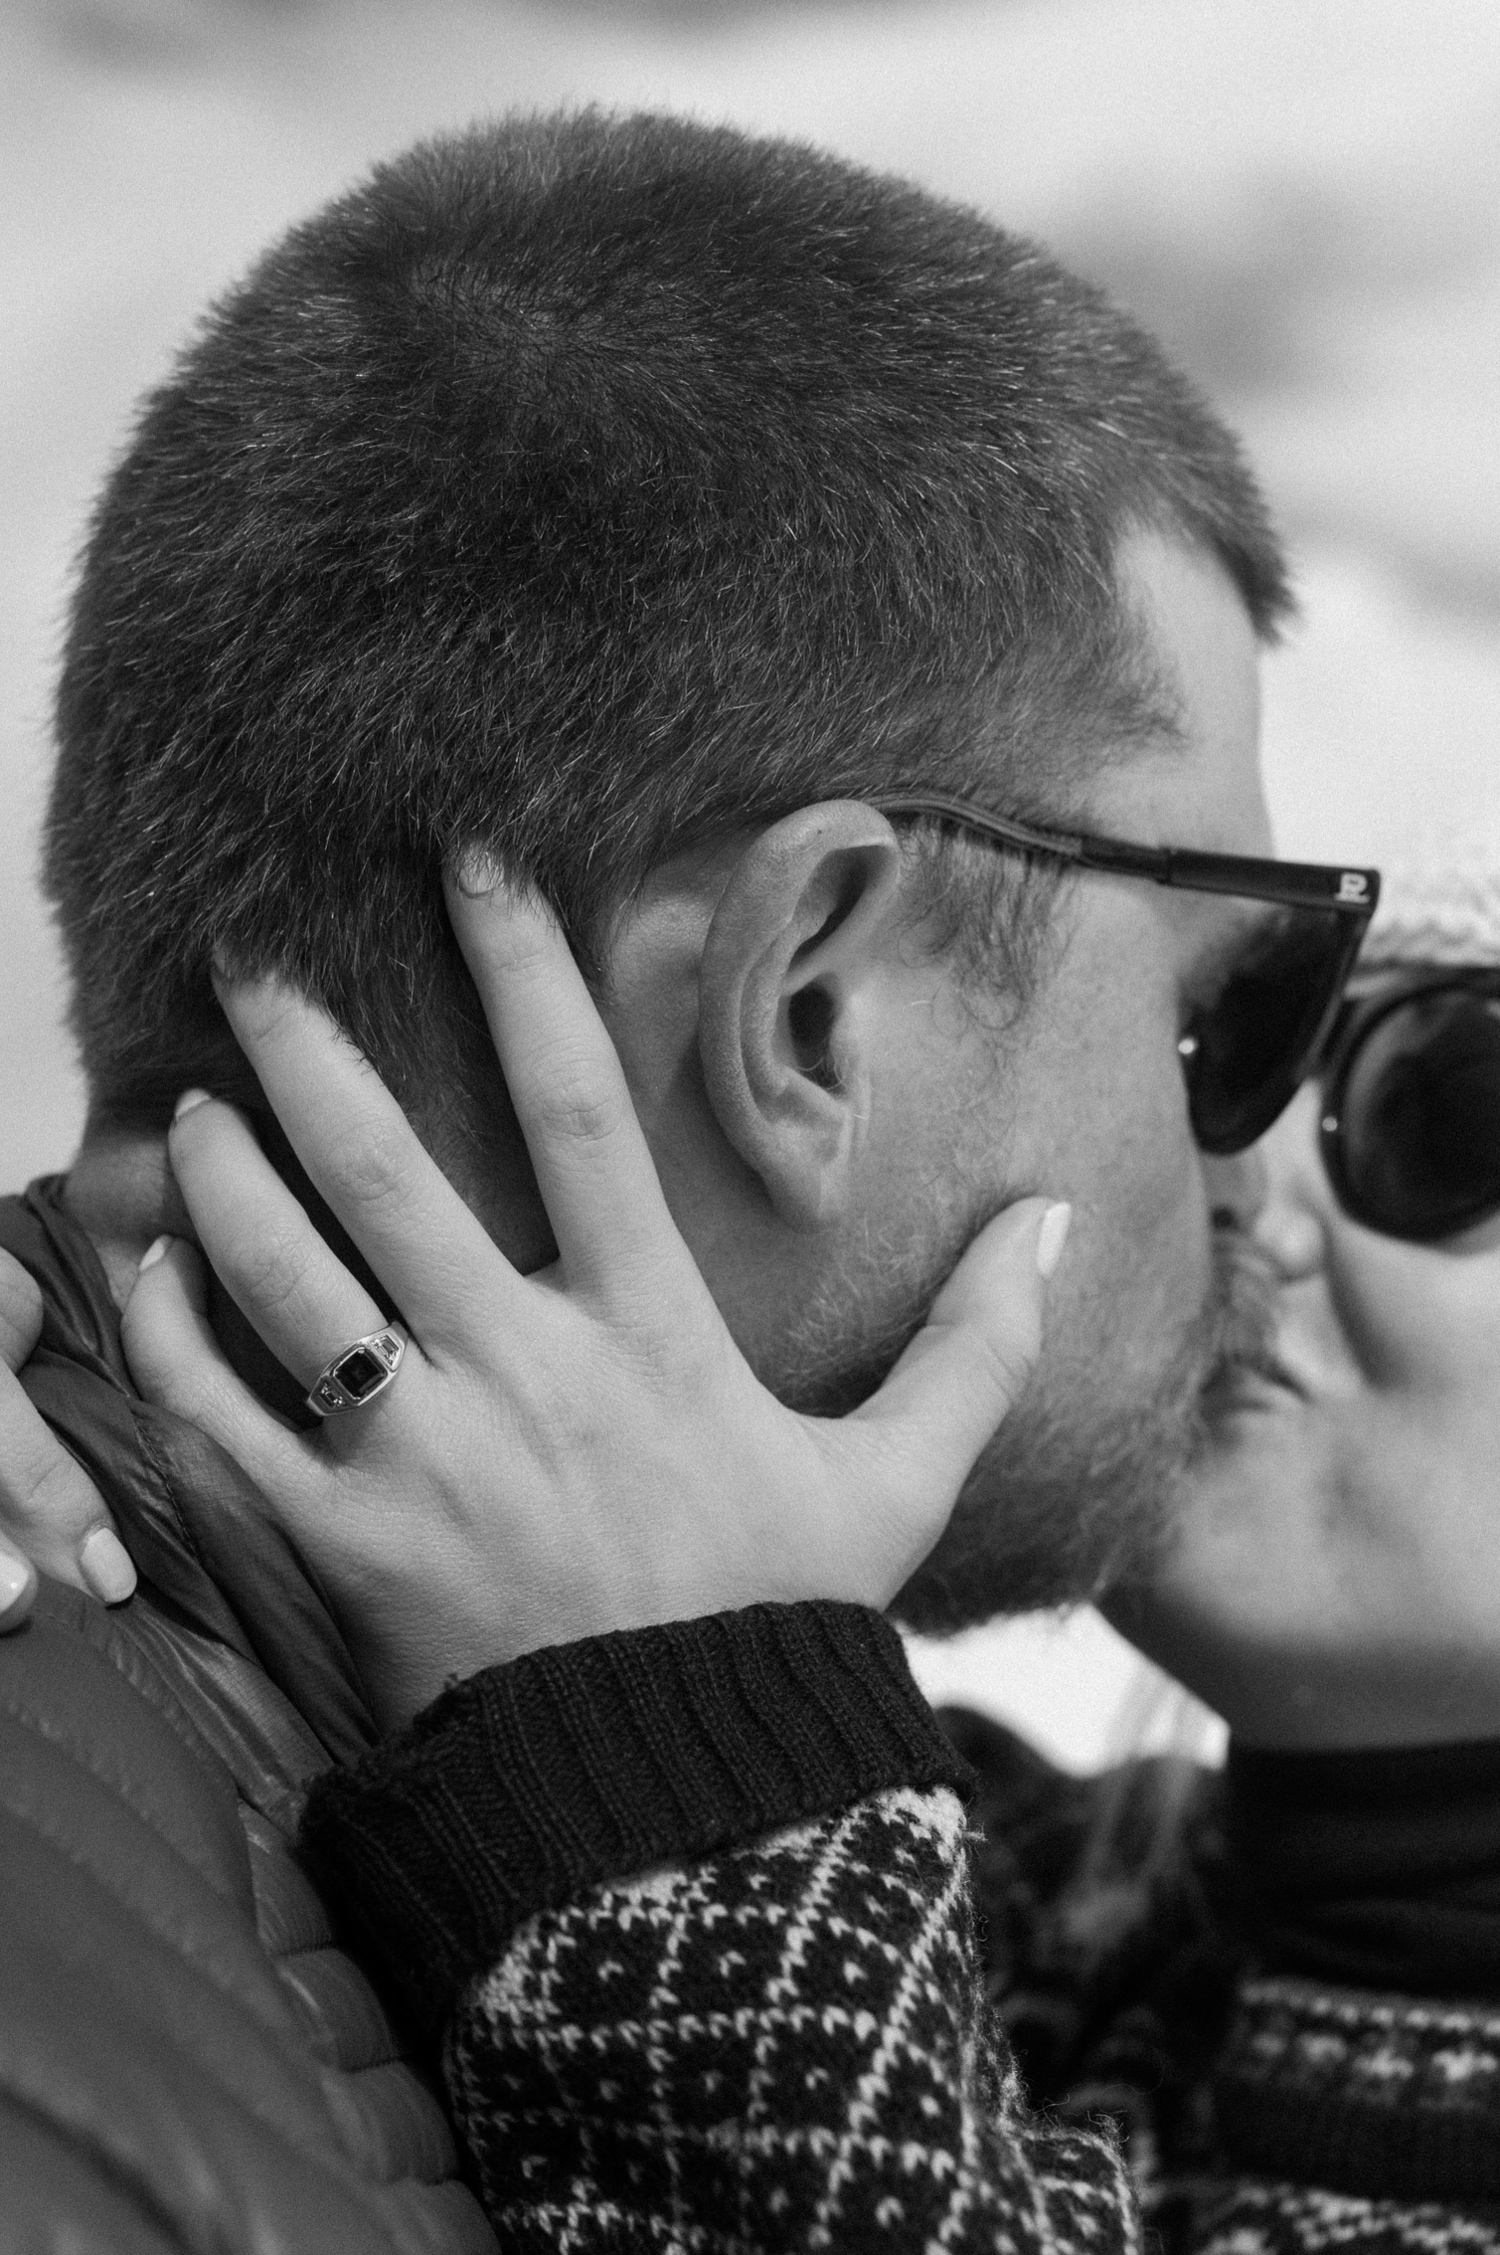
x: 265, y: 1252
x: 593, y: 1166
x: 20, y: 1312
x: 52, y: 1516
x: 50, y: 1510
x: 179, y: 1365
x: 17, y: 1586
x: 963, y: 1372
x: 363, y: 1155
x: 20, y: 1328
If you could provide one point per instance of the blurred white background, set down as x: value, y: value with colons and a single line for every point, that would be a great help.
x: 1301, y: 196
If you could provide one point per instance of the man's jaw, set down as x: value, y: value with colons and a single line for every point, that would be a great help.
x: 1063, y: 1506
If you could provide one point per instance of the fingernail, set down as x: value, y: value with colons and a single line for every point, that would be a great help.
x: 15, y: 1576
x: 153, y: 1253
x: 477, y: 871
x: 105, y: 1565
x: 189, y: 1101
x: 1051, y: 1237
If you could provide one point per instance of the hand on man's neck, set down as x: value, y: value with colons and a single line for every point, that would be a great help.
x: 121, y: 1191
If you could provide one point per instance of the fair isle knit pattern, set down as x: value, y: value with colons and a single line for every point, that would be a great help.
x: 784, y: 2047
x: 1364, y: 2093
x: 1255, y: 2007
x: 1288, y: 2219
x: 787, y: 2048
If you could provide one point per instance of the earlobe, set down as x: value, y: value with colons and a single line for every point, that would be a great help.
x: 794, y: 946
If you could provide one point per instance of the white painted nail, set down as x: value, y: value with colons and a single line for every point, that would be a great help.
x: 15, y: 1575
x: 1052, y: 1237
x: 153, y: 1253
x: 477, y: 872
x: 105, y: 1565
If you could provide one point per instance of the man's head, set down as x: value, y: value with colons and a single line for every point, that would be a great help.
x: 615, y: 492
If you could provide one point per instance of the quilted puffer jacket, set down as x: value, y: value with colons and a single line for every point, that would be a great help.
x: 188, y: 2061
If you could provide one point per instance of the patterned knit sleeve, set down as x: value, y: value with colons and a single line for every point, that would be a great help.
x: 693, y: 1906
x: 694, y: 1909
x: 784, y: 2046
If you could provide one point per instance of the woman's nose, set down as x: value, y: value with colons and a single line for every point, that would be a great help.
x: 1289, y: 1227
x: 1236, y: 1188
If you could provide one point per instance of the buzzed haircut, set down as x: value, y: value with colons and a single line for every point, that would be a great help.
x: 590, y: 487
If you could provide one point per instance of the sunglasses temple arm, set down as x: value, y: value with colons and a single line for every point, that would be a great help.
x: 1293, y: 884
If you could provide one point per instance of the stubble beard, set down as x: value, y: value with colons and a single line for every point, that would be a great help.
x: 1069, y: 1499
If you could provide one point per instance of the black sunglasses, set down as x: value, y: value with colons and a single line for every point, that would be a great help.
x: 1246, y: 1055
x: 1410, y: 1131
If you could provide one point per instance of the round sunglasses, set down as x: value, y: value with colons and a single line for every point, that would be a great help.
x: 1410, y: 1126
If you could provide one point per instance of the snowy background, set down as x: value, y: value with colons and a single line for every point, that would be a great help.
x: 1301, y: 196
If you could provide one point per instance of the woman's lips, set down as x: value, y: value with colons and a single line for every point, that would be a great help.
x: 1266, y: 1382
x: 1275, y: 1376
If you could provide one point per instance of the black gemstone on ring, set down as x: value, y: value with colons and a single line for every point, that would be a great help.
x: 359, y: 1372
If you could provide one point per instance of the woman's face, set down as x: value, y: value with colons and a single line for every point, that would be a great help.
x: 1337, y: 1580
x: 1387, y: 1353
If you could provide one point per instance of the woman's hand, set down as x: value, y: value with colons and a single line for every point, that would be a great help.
x: 561, y: 1454
x: 51, y: 1514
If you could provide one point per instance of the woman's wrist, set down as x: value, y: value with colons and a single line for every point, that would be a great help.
x: 526, y: 1785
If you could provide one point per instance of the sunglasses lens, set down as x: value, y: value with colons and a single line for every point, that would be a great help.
x: 1419, y: 1116
x: 1256, y: 1045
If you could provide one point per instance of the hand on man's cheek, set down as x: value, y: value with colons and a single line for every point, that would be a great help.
x: 963, y: 1103
x: 835, y: 1110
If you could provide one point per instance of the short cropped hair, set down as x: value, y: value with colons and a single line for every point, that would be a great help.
x: 590, y: 487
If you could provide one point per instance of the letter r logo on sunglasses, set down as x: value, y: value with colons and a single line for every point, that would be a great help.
x: 1244, y: 1057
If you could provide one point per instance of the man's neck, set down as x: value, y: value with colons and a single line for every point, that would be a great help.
x: 121, y: 1193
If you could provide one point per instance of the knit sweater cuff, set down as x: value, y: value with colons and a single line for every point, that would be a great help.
x: 524, y: 1786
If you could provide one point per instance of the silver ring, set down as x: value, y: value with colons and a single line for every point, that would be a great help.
x: 358, y: 1372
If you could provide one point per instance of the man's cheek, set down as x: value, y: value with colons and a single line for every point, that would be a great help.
x: 1142, y: 1275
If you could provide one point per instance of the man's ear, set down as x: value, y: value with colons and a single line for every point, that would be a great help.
x: 788, y: 1000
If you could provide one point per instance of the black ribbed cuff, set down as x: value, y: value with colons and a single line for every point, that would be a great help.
x: 523, y: 1787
